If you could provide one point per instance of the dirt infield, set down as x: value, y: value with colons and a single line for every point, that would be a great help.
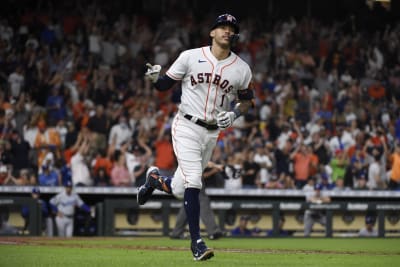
x: 61, y: 242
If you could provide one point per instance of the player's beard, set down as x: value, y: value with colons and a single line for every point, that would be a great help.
x: 223, y: 43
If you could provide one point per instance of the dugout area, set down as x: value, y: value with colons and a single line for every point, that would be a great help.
x: 159, y: 218
x: 121, y: 216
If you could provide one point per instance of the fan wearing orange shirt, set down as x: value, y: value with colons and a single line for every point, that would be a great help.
x: 164, y: 154
x: 46, y: 140
x: 394, y: 181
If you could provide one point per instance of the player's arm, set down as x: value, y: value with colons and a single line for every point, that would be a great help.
x: 82, y: 205
x: 53, y: 204
x: 243, y: 105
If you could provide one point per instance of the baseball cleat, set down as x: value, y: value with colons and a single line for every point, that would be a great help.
x: 200, y: 251
x: 143, y: 194
x: 153, y: 181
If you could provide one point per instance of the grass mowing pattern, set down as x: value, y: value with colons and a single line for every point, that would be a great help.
x: 164, y: 252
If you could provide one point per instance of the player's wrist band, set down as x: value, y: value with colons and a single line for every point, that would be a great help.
x: 237, y: 112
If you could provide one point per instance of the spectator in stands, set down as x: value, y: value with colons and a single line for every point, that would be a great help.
x: 5, y: 176
x: 164, y: 153
x: 62, y: 129
x: 301, y: 165
x: 375, y: 172
x: 99, y: 123
x: 309, y: 187
x: 16, y: 81
x: 234, y: 171
x: 368, y: 230
x: 65, y: 170
x: 46, y: 140
x: 320, y: 148
x: 339, y: 185
x: 361, y: 182
x: 101, y: 178
x: 338, y: 164
x: 5, y: 155
x: 137, y: 154
x: 120, y: 175
x: 79, y: 167
x: 263, y: 158
x: 283, y: 161
x: 49, y: 177
x: 20, y: 150
x: 23, y: 178
x: 55, y: 106
x: 102, y: 161
x: 119, y: 133
x: 325, y: 181
x: 357, y: 166
x: 274, y: 183
x: 250, y: 177
x: 394, y: 181
x: 345, y: 78
x: 139, y: 172
x: 71, y: 136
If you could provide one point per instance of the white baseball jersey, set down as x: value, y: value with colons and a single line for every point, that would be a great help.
x: 209, y: 85
x: 66, y: 203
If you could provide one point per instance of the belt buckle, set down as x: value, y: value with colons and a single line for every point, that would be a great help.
x: 194, y: 119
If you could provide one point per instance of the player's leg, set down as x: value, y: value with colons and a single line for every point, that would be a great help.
x: 153, y: 181
x: 60, y: 226
x: 69, y: 227
x: 194, y: 154
x: 308, y: 222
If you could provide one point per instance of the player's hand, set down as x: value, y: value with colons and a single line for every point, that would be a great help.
x: 225, y: 119
x: 152, y: 72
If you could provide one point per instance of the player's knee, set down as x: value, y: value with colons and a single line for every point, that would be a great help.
x: 178, y: 192
x: 178, y: 184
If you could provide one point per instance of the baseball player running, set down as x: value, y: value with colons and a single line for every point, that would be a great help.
x: 63, y: 204
x: 213, y: 79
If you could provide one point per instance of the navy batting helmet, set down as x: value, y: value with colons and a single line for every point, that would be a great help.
x: 226, y: 19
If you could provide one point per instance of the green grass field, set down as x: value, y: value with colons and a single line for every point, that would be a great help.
x: 164, y: 252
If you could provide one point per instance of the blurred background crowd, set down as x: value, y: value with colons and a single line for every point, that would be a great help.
x: 74, y: 104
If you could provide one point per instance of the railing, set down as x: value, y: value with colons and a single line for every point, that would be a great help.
x: 115, y: 204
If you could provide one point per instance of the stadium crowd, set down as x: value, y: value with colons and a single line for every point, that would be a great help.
x: 74, y: 104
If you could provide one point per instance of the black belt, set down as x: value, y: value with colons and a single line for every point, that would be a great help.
x: 201, y: 123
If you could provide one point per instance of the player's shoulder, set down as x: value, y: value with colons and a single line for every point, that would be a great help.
x: 241, y: 61
x: 192, y: 51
